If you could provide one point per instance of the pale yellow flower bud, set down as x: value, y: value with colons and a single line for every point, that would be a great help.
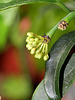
x: 30, y: 34
x: 46, y: 57
x: 32, y: 51
x: 36, y: 39
x: 29, y: 46
x: 32, y: 40
x: 34, y: 43
x: 38, y: 55
x: 37, y: 51
x: 28, y: 39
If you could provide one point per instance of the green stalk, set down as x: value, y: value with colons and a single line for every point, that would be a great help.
x: 68, y: 18
x: 63, y: 6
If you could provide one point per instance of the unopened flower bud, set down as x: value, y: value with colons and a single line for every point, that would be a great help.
x: 62, y: 25
x: 46, y: 57
x: 32, y: 51
x: 38, y: 45
x: 34, y: 43
x: 37, y: 51
x: 31, y: 40
x: 38, y: 55
x: 30, y: 34
x: 36, y: 39
x: 28, y: 38
x: 29, y: 46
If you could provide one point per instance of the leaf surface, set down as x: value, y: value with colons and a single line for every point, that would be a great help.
x: 48, y: 89
x: 58, y: 54
x: 69, y: 74
x: 13, y: 3
x: 39, y: 93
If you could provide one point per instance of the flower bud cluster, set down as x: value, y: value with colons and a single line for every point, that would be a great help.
x: 38, y: 45
x: 62, y: 25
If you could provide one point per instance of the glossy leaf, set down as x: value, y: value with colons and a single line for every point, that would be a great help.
x: 58, y: 54
x: 69, y: 74
x: 13, y: 3
x: 71, y: 93
x: 40, y: 93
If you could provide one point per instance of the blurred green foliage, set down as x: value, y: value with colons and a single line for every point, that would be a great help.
x: 5, y: 1
x: 6, y: 20
x: 16, y: 88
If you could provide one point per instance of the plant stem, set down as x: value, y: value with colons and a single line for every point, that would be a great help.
x: 63, y: 6
x: 52, y: 31
x: 68, y: 18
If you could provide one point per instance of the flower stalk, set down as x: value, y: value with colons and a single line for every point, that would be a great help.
x: 68, y: 18
x: 39, y: 44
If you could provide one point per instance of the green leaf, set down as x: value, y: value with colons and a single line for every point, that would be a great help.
x: 13, y: 3
x: 39, y: 93
x: 5, y: 1
x: 48, y: 89
x: 69, y: 74
x: 58, y: 54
